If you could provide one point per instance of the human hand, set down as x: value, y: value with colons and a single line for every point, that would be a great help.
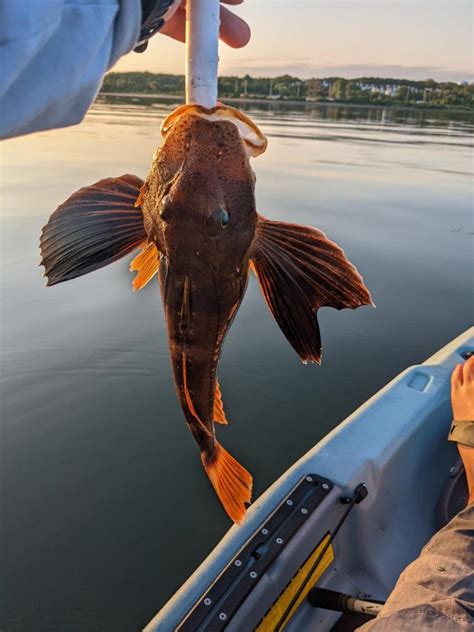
x: 233, y: 30
x: 462, y: 391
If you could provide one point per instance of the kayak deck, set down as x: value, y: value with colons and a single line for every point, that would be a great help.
x: 222, y: 600
x: 396, y: 444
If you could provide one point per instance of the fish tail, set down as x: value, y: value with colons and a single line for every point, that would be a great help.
x: 231, y: 481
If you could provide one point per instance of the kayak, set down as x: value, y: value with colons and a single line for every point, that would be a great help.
x: 348, y: 516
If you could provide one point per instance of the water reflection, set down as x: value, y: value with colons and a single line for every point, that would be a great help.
x: 332, y: 112
x: 105, y: 508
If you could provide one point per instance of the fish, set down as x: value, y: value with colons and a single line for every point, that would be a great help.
x: 194, y: 223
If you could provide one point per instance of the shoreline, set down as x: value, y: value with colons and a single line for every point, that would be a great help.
x: 180, y: 98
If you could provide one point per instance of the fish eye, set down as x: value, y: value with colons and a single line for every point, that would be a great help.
x: 165, y: 208
x: 224, y: 218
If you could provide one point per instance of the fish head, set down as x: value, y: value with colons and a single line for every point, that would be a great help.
x: 199, y: 208
x: 201, y: 193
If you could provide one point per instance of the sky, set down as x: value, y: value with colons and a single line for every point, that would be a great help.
x: 410, y: 39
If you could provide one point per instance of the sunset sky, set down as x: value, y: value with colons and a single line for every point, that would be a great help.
x: 412, y: 39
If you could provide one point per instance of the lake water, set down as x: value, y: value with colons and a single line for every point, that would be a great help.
x: 105, y: 507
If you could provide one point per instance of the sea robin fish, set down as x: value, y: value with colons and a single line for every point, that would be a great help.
x: 195, y: 221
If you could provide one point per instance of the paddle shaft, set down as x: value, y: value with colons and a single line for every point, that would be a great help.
x: 340, y: 602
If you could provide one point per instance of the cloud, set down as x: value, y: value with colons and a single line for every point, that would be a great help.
x: 305, y: 68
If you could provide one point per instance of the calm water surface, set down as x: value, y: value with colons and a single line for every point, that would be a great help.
x: 105, y: 507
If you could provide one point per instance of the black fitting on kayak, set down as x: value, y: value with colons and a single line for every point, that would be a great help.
x: 358, y: 496
x: 340, y: 602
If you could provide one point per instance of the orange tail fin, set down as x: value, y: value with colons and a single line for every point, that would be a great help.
x: 232, y: 482
x: 219, y: 414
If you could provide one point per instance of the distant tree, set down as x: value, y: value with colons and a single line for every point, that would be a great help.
x: 376, y: 90
x: 281, y: 89
x: 402, y: 93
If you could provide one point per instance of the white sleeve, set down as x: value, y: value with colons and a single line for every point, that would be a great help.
x: 53, y: 55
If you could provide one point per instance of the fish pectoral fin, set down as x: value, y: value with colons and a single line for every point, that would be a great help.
x: 219, y: 414
x: 146, y: 264
x: 231, y: 481
x: 96, y: 226
x: 300, y: 270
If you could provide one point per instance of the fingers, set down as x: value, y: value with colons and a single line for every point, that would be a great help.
x: 468, y: 370
x: 462, y: 391
x: 176, y: 27
x: 457, y: 377
x: 463, y: 373
x: 233, y: 30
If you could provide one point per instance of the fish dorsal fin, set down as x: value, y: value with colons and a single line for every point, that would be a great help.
x: 146, y: 264
x: 96, y: 226
x: 253, y: 139
x: 219, y: 414
x: 300, y: 270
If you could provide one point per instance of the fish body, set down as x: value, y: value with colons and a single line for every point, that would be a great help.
x: 198, y: 204
x: 196, y: 221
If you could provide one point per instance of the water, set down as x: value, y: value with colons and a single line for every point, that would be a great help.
x: 105, y: 507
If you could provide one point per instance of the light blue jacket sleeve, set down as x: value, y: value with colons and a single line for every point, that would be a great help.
x: 53, y: 55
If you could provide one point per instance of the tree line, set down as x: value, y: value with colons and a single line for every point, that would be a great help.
x: 363, y: 90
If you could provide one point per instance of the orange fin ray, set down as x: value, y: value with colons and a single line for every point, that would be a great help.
x: 139, y: 200
x: 231, y: 482
x: 146, y: 264
x: 189, y: 401
x: 219, y: 414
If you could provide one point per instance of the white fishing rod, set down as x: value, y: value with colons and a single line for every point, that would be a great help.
x: 202, y: 43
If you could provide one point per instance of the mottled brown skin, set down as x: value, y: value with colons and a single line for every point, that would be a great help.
x: 200, y: 174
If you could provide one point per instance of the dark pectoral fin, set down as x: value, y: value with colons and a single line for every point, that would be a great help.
x: 299, y: 270
x: 94, y: 227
